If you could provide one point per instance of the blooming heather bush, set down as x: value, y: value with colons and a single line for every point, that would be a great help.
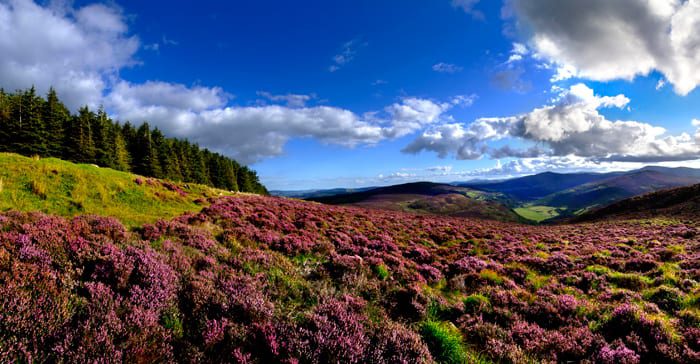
x: 259, y: 279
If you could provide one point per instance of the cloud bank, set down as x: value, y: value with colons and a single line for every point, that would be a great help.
x: 572, y: 125
x: 605, y: 40
x: 76, y: 50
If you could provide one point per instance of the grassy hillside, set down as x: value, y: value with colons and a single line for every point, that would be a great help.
x: 63, y: 188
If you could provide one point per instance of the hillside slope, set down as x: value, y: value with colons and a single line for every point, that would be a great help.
x: 609, y: 190
x: 537, y: 186
x: 429, y: 198
x: 253, y: 279
x: 683, y: 202
x: 58, y: 187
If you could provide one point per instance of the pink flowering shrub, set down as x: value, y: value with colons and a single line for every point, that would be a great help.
x: 258, y: 279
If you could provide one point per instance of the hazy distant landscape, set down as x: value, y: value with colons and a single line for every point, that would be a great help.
x: 545, y: 197
x: 312, y: 182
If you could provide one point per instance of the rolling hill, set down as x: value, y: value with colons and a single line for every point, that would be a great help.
x: 682, y: 202
x: 429, y: 198
x: 603, y: 192
x: 537, y: 186
x: 538, y: 198
x: 63, y: 188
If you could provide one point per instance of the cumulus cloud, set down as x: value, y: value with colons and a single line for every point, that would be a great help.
x: 77, y: 51
x: 621, y: 39
x: 443, y: 67
x: 253, y: 133
x: 517, y: 53
x: 572, y: 125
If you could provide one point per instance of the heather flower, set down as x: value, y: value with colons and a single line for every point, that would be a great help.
x: 617, y: 355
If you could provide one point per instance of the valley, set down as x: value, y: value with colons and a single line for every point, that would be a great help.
x: 543, y: 198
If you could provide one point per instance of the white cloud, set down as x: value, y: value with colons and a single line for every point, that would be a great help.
x: 517, y: 53
x: 413, y: 114
x: 77, y: 51
x: 464, y: 100
x: 621, y: 39
x: 660, y: 84
x: 441, y: 169
x: 292, y: 100
x: 347, y: 53
x: 572, y: 125
x: 443, y: 67
x: 250, y: 134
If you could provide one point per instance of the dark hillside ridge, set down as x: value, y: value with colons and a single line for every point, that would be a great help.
x: 539, y: 185
x: 415, y: 188
x: 31, y: 125
x: 603, y: 192
x: 683, y: 202
x: 430, y: 198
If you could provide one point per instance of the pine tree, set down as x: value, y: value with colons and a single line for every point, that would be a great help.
x: 5, y: 115
x: 146, y: 159
x: 99, y: 125
x: 31, y: 136
x: 198, y: 165
x: 55, y: 116
x: 79, y: 146
x: 244, y: 182
x: 121, y: 159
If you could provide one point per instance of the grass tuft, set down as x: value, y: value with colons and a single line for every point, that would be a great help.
x: 444, y: 341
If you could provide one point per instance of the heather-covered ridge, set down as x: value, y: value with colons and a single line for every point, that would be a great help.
x: 682, y: 202
x: 257, y: 279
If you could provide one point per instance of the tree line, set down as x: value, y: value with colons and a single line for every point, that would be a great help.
x: 33, y: 125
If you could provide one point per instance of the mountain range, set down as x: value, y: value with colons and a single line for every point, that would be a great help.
x: 544, y: 197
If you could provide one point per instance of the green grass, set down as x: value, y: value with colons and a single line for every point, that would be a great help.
x: 491, y: 276
x: 537, y: 213
x: 58, y: 187
x: 445, y: 343
x: 382, y: 271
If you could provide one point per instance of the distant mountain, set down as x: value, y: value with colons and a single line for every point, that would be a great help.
x: 430, y: 198
x: 603, y: 192
x: 543, y: 197
x: 682, y: 202
x: 536, y: 186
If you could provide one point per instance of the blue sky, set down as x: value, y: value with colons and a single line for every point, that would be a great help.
x: 317, y: 94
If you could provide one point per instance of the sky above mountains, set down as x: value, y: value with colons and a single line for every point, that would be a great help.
x: 320, y: 94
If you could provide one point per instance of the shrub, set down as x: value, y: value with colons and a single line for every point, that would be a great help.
x: 667, y: 298
x: 629, y: 280
x: 476, y: 302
